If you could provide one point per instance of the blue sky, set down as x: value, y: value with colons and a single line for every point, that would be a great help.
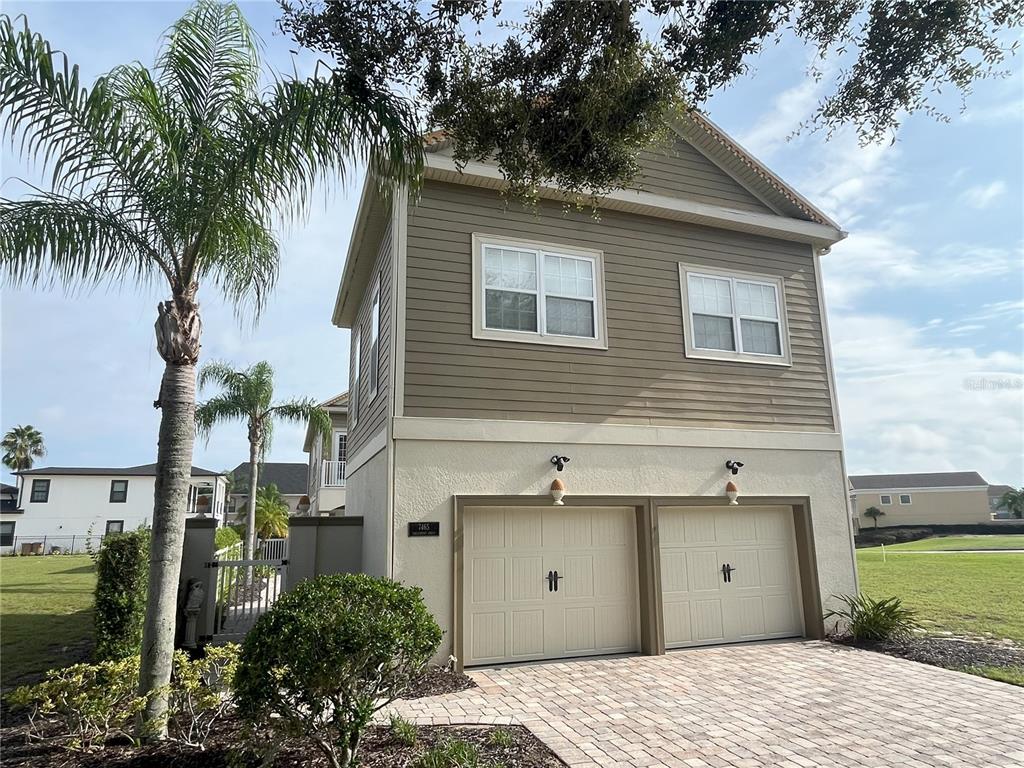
x: 926, y: 296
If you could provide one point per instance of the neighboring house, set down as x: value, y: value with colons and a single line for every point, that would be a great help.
x: 10, y: 514
x: 924, y: 498
x: 995, y: 494
x: 326, y: 470
x: 288, y: 476
x: 682, y: 328
x: 61, y: 506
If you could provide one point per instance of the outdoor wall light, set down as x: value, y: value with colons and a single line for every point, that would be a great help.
x: 731, y: 492
x: 559, y: 462
x: 557, y: 491
x: 734, y: 466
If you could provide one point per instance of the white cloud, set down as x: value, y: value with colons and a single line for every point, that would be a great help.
x: 983, y: 195
x: 909, y: 404
x: 1012, y: 110
x: 771, y: 130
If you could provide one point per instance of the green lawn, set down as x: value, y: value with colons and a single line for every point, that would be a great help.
x: 968, y: 594
x: 45, y: 614
x: 1009, y: 541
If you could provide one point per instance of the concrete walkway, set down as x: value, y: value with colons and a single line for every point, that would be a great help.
x: 794, y: 705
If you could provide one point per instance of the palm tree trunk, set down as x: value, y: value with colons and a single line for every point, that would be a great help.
x: 178, y: 330
x: 250, y: 521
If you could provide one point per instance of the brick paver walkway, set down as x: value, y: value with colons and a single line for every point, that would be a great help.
x: 792, y: 705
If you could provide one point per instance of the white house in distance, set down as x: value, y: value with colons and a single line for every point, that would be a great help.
x: 326, y: 470
x: 60, y: 507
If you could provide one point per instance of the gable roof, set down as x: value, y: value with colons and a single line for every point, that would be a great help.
x: 917, y: 480
x: 142, y: 470
x: 338, y: 401
x: 996, y: 491
x: 289, y: 477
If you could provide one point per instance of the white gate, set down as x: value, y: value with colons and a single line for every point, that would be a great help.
x: 245, y: 590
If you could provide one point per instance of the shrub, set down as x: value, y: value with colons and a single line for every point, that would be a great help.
x: 403, y: 731
x: 93, y: 702
x: 328, y: 655
x: 122, y: 575
x: 868, y: 620
x: 225, y: 537
x: 200, y: 692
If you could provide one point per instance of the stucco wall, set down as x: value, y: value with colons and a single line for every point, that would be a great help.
x: 366, y: 496
x: 945, y: 507
x: 428, y: 473
x: 76, y: 503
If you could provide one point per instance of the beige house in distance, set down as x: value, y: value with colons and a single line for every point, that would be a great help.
x: 928, y: 498
x: 325, y: 474
x: 496, y: 350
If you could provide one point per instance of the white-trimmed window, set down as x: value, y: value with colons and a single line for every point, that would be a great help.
x: 733, y: 316
x: 538, y: 293
x: 885, y: 499
x: 354, y: 388
x: 373, y: 355
x: 904, y: 498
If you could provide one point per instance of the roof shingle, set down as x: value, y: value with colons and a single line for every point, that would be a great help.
x: 916, y: 480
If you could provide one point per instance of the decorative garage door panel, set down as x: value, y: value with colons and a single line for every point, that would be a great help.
x: 511, y: 609
x: 704, y: 601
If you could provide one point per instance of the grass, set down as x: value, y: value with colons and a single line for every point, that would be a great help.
x: 45, y: 613
x: 1011, y: 675
x: 946, y: 543
x: 968, y: 594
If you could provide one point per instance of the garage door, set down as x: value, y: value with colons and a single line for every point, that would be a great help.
x: 513, y: 610
x: 728, y: 575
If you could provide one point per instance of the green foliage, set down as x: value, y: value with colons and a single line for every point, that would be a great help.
x: 225, y: 536
x: 865, y: 619
x: 328, y: 655
x: 122, y: 576
x: 1013, y: 502
x: 271, y: 513
x: 201, y: 689
x: 1011, y: 675
x: 452, y: 753
x: 91, y: 702
x: 22, y: 445
x: 403, y: 731
x: 501, y: 738
x: 874, y: 513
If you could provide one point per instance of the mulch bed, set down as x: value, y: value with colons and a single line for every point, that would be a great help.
x: 437, y: 680
x: 951, y: 653
x: 379, y: 750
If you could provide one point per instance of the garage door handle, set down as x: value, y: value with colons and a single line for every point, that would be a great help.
x: 555, y: 579
x: 727, y: 572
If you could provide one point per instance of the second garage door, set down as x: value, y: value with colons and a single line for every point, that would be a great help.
x: 548, y: 582
x: 728, y: 574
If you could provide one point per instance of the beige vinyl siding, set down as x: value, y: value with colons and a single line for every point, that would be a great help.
x: 373, y: 413
x: 680, y: 170
x: 643, y: 377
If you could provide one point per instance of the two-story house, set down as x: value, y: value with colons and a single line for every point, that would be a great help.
x: 63, y: 507
x: 326, y: 470
x: 503, y: 357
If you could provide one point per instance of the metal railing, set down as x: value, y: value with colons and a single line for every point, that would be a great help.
x: 273, y: 549
x: 245, y: 591
x: 332, y: 473
x: 51, y: 545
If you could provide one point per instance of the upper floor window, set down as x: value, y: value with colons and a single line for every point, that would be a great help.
x: 40, y: 491
x: 340, y: 446
x: 354, y: 388
x: 885, y: 499
x: 538, y: 293
x: 373, y: 343
x: 118, y: 491
x: 730, y: 316
x: 904, y: 498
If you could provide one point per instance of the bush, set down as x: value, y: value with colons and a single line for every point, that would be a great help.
x: 451, y: 753
x: 403, y: 731
x: 200, y: 692
x: 122, y: 575
x: 225, y: 537
x: 330, y: 654
x: 93, y: 702
x: 868, y: 620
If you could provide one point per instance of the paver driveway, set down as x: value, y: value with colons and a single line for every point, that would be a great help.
x: 797, y: 704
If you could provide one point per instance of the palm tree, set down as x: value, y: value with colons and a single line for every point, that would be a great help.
x: 271, y: 513
x: 1013, y: 502
x: 177, y: 176
x: 248, y: 396
x: 22, y: 445
x: 874, y: 513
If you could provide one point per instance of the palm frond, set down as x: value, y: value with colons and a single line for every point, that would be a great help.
x: 55, y: 239
x: 217, y: 410
x: 220, y: 373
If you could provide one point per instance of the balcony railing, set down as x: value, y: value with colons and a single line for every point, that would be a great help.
x: 332, y: 474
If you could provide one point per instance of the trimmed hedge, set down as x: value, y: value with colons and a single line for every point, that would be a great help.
x: 122, y: 576
x: 225, y: 537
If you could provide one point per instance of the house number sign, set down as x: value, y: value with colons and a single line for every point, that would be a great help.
x: 425, y: 529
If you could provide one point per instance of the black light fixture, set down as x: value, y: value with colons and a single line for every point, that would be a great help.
x: 733, y: 466
x: 560, y: 462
